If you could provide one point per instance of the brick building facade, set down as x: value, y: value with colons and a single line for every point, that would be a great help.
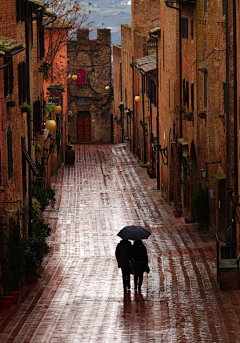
x: 89, y: 103
x: 22, y: 105
x: 198, y: 125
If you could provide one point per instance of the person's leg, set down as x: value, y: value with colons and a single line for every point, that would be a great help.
x: 135, y: 281
x: 128, y: 280
x: 140, y: 281
x: 124, y: 280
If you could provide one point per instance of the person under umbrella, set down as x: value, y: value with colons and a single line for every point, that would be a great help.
x: 123, y: 255
x: 140, y: 263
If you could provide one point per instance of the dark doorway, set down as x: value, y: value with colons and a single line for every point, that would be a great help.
x: 84, y: 127
x: 222, y: 209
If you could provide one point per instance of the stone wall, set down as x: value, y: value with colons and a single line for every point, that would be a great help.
x: 90, y: 98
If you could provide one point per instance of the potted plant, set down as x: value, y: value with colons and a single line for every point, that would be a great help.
x: 177, y: 212
x: 202, y: 115
x: 25, y: 107
x: 45, y: 196
x: 189, y: 116
x: 11, y: 103
x: 35, y: 248
x: 15, y: 260
x: 5, y: 297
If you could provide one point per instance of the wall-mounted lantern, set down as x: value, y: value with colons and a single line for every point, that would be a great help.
x: 204, y: 171
x: 137, y: 98
x: 50, y: 124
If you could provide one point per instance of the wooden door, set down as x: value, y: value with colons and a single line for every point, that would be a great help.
x: 84, y: 127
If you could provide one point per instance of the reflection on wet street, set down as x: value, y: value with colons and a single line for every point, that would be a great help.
x: 80, y: 295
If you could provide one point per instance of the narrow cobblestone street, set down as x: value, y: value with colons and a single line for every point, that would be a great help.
x: 80, y: 296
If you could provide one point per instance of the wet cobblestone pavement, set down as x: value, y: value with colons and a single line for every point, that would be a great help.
x: 80, y: 297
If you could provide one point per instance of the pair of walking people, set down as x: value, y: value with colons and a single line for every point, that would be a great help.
x: 135, y: 255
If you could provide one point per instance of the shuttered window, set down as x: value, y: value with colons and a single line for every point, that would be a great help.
x: 22, y: 82
x: 205, y: 90
x: 184, y: 27
x: 187, y: 94
x: 8, y: 78
x: 192, y: 96
x: 184, y: 91
x: 151, y: 90
x: 41, y: 43
x: 192, y: 33
x: 81, y: 77
x: 10, y: 153
x: 37, y: 116
x: 20, y: 7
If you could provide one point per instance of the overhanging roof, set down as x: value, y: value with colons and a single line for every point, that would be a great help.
x: 183, y: 141
x: 9, y: 45
x: 219, y: 176
x: 147, y: 63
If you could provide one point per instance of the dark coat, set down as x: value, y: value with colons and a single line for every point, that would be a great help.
x: 123, y: 254
x: 140, y: 258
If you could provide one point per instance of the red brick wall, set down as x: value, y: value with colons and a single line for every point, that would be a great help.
x: 12, y: 117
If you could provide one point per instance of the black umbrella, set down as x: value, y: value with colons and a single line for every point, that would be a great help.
x: 134, y: 233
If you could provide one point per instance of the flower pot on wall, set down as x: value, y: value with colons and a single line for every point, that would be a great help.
x: 177, y: 213
x: 6, y: 300
x: 202, y: 115
x: 15, y: 296
x: 11, y: 103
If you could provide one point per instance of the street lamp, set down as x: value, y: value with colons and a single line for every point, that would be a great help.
x: 57, y: 109
x: 50, y: 124
x: 74, y: 77
x: 137, y: 98
x: 107, y: 88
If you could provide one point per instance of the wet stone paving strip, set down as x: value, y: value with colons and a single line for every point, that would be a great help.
x: 80, y: 295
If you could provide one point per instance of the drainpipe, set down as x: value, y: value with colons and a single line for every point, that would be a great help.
x: 28, y: 120
x: 133, y: 107
x: 234, y: 239
x: 144, y: 136
x: 227, y: 114
x: 122, y: 123
x: 157, y: 119
x: 180, y: 63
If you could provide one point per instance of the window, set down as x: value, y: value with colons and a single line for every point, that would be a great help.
x: 205, y: 5
x: 224, y: 97
x: 8, y: 78
x: 192, y: 34
x: 22, y: 82
x: 184, y: 27
x: 205, y: 89
x: 187, y: 93
x: 41, y: 43
x: 184, y: 91
x: 81, y: 77
x: 37, y: 116
x: 192, y: 96
x: 224, y: 7
x: 20, y: 6
x: 10, y: 153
